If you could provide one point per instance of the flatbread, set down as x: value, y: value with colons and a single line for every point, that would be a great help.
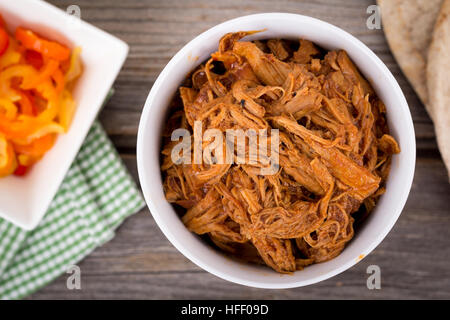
x: 438, y: 84
x: 408, y: 26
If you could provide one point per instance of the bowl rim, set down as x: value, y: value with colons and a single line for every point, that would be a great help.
x: 144, y: 176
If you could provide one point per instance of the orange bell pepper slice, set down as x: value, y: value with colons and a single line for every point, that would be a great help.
x: 26, y: 129
x: 47, y: 48
x: 37, y: 148
x: 26, y: 103
x: 19, y: 129
x: 47, y: 71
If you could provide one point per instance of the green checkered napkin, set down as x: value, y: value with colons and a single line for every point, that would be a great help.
x: 96, y: 196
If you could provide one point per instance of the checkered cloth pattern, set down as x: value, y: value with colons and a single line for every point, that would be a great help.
x: 96, y: 196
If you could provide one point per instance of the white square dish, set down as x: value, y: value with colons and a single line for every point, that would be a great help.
x: 24, y: 200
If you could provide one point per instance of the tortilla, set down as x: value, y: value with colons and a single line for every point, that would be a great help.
x: 408, y: 25
x: 437, y: 80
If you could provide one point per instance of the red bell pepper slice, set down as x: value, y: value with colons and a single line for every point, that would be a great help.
x: 47, y: 48
x: 21, y: 170
x: 4, y: 41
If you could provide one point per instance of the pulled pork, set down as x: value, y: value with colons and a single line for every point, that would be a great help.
x: 334, y: 151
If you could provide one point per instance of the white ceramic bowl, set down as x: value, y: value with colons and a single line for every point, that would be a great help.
x: 25, y: 200
x: 279, y: 25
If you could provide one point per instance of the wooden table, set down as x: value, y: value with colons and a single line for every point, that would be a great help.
x: 140, y: 263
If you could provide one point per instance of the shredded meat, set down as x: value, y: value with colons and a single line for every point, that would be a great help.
x: 334, y: 151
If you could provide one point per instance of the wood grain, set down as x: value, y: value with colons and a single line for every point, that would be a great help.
x: 140, y: 263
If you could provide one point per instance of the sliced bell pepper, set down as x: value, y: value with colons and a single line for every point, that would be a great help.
x: 8, y: 161
x: 36, y: 76
x: 47, y: 71
x: 9, y: 108
x: 35, y: 150
x: 23, y: 71
x: 47, y: 91
x: 58, y: 78
x: 21, y: 170
x: 4, y: 41
x: 45, y: 130
x: 25, y: 159
x: 67, y: 110
x: 2, y: 22
x: 75, y: 67
x: 26, y: 129
x: 26, y: 103
x: 11, y: 56
x: 47, y: 48
x: 34, y: 58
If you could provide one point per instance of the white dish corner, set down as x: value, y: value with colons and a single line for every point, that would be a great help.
x: 25, y: 200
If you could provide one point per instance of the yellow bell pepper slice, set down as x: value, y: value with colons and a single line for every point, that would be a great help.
x: 9, y: 108
x: 8, y: 161
x: 67, y: 110
x: 11, y: 56
x: 26, y: 72
x: 75, y: 67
